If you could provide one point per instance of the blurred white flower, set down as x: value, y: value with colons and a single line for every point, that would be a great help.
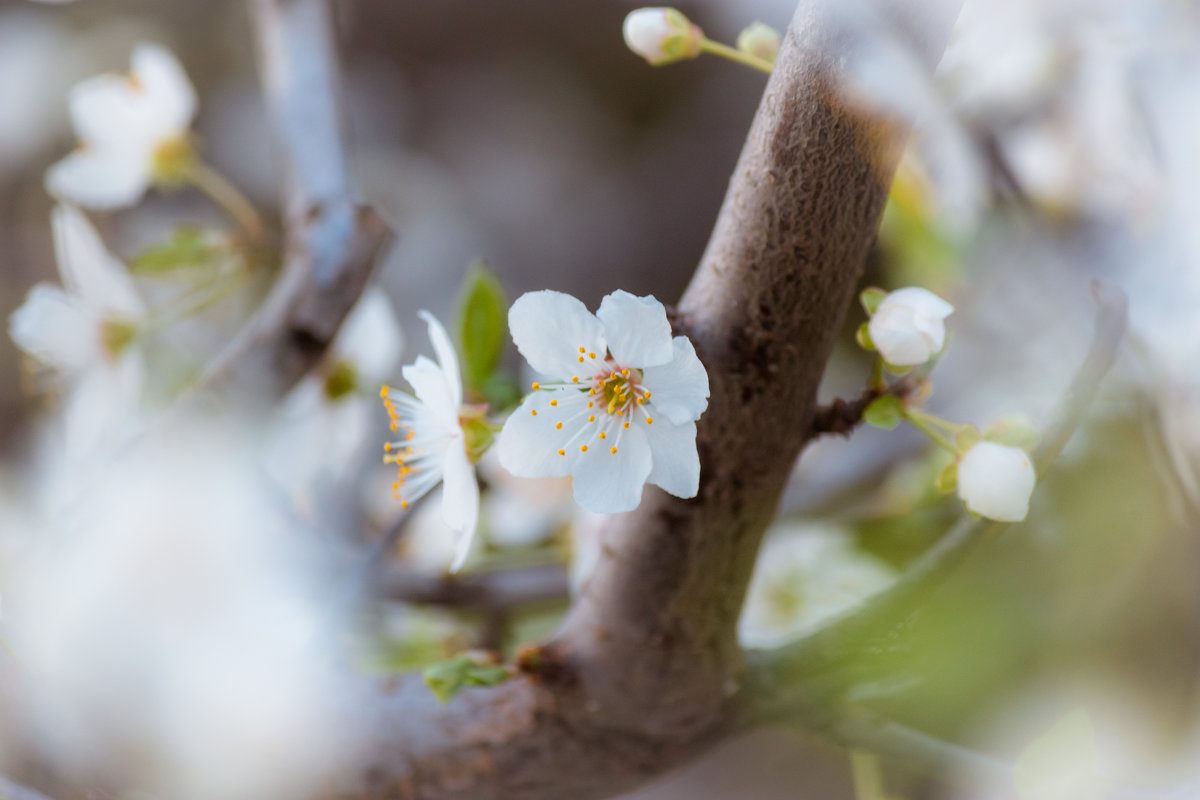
x: 324, y: 423
x: 132, y: 131
x: 996, y: 481
x: 806, y: 573
x: 759, y: 40
x: 597, y: 421
x: 661, y: 35
x: 907, y: 327
x: 85, y: 330
x: 440, y: 439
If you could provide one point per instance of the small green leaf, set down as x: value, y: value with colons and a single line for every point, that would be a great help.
x: 883, y: 412
x: 863, y: 337
x: 446, y: 678
x: 947, y: 479
x: 501, y: 391
x: 482, y: 325
x: 189, y: 247
x: 870, y: 298
x: 897, y: 369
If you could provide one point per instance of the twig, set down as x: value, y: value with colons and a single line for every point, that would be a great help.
x: 843, y: 416
x: 498, y: 590
x: 794, y: 678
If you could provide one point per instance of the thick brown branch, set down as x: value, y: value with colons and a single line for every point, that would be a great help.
x: 646, y: 670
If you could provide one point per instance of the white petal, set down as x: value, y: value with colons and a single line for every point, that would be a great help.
x: 894, y: 332
x: 636, y: 328
x: 110, y: 112
x: 644, y: 31
x: 528, y: 444
x: 460, y: 501
x: 56, y: 329
x: 933, y: 330
x: 429, y: 383
x: 99, y: 177
x: 167, y: 93
x: 679, y: 388
x: 676, y: 462
x: 922, y: 301
x: 371, y: 338
x: 88, y: 269
x: 996, y: 481
x: 101, y: 412
x: 549, y: 328
x: 446, y: 356
x: 610, y: 483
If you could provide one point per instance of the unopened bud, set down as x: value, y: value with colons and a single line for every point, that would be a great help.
x: 662, y: 35
x: 759, y: 40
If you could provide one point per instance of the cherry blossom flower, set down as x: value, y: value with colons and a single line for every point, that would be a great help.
x: 441, y: 439
x: 85, y: 329
x: 132, y: 131
x: 907, y: 327
x: 621, y: 407
x: 661, y: 35
x: 325, y: 421
x: 996, y: 480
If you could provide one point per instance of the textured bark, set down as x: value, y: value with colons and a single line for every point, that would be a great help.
x: 646, y: 671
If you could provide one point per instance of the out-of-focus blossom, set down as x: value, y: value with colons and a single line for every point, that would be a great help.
x: 759, y: 40
x: 440, y: 439
x: 85, y: 330
x: 623, y: 405
x: 996, y: 481
x: 907, y: 328
x: 325, y: 421
x: 133, y: 131
x: 805, y: 574
x: 661, y: 35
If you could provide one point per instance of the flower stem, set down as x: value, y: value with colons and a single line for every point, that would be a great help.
x: 868, y: 777
x: 725, y: 51
x: 226, y: 195
x: 193, y: 301
x: 925, y: 423
x: 877, y: 381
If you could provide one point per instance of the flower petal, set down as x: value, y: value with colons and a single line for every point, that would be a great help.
x: 922, y: 301
x: 460, y: 501
x: 609, y: 483
x: 88, y: 269
x: 56, y: 329
x: 168, y: 96
x: 894, y: 332
x: 101, y: 412
x: 636, y: 328
x: 995, y: 481
x: 549, y: 328
x: 446, y: 356
x: 371, y: 338
x: 99, y: 177
x: 676, y: 462
x: 109, y: 112
x: 429, y: 383
x: 528, y: 444
x: 679, y: 388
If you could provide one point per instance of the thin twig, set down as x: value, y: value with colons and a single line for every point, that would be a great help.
x: 843, y: 416
x: 497, y: 590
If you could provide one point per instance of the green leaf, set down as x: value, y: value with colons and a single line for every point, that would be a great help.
x: 947, y: 479
x: 189, y: 247
x: 863, y: 337
x: 883, y: 412
x: 446, y: 678
x: 482, y: 325
x: 870, y: 298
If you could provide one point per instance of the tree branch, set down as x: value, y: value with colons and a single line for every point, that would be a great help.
x: 645, y: 671
x: 330, y: 243
x: 499, y: 590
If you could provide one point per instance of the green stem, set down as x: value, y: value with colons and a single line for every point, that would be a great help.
x: 877, y: 381
x: 868, y: 777
x: 192, y: 302
x: 227, y: 196
x: 733, y: 54
x: 923, y: 423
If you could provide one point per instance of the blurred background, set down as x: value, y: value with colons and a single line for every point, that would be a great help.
x: 1057, y: 143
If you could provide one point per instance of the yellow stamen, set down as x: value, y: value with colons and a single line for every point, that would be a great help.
x: 613, y: 451
x: 625, y: 372
x: 387, y: 446
x: 562, y: 452
x: 603, y: 435
x: 404, y: 504
x: 558, y: 425
x: 583, y: 349
x: 649, y: 420
x: 533, y: 411
x: 591, y: 355
x: 383, y: 390
x: 536, y: 386
x: 574, y: 379
x: 583, y: 448
x: 592, y: 418
x: 554, y: 402
x: 581, y: 359
x: 626, y: 424
x: 590, y: 404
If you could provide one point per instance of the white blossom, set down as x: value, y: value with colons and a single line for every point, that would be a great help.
x: 132, y: 130
x: 621, y: 407
x: 661, y: 35
x: 907, y: 327
x: 438, y: 444
x: 84, y: 330
x: 996, y: 480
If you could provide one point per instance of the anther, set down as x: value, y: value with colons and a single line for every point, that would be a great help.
x: 574, y: 379
x: 590, y: 404
x: 583, y: 448
x: 591, y: 355
x: 387, y: 446
x: 592, y: 418
x: 536, y: 386
x: 603, y: 435
x: 649, y: 420
x: 626, y: 424
x: 583, y: 349
x: 558, y: 425
x: 581, y: 359
x: 383, y: 390
x: 404, y: 504
x: 562, y: 452
x: 613, y: 451
x: 533, y: 412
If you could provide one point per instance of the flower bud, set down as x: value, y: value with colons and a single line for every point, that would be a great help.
x: 759, y: 40
x: 662, y: 35
x: 995, y: 481
x: 907, y: 328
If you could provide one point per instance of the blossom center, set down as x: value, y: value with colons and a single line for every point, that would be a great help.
x: 619, y: 389
x: 172, y: 160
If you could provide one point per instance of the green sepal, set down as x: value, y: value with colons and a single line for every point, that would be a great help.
x: 870, y: 298
x: 1014, y: 431
x: 967, y: 438
x: 341, y: 379
x: 446, y: 678
x: 189, y: 247
x: 947, y: 479
x: 884, y: 411
x: 863, y: 337
x: 482, y: 325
